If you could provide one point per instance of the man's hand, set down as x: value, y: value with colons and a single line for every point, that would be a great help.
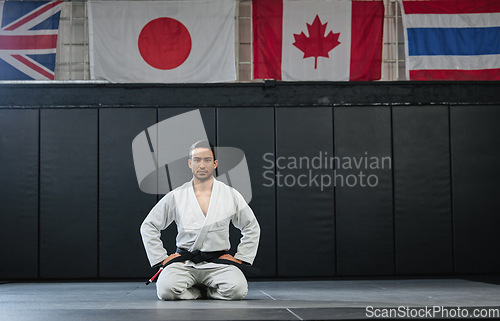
x: 230, y: 258
x: 170, y: 257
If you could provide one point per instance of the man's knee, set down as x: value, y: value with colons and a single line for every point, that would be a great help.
x: 166, y: 294
x: 234, y: 291
x: 173, y: 282
x: 169, y: 288
x: 240, y: 291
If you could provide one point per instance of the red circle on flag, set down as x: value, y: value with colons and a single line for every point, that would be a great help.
x: 164, y: 43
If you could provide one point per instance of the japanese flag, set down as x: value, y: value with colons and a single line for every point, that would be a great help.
x: 162, y: 41
x: 338, y: 40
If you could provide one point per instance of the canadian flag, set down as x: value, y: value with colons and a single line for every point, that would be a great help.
x: 162, y: 41
x: 333, y: 40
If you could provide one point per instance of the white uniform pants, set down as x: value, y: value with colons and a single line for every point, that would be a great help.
x: 225, y: 282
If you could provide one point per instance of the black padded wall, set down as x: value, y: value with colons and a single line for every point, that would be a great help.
x: 19, y: 194
x: 67, y: 175
x: 252, y: 130
x: 68, y: 193
x: 364, y: 207
x: 305, y: 207
x: 122, y: 205
x: 475, y: 152
x: 422, y: 190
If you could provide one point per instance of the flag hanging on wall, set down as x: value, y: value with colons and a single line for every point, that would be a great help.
x: 162, y: 41
x: 452, y: 39
x: 336, y: 40
x: 28, y: 39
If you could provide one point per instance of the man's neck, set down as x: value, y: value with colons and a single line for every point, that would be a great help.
x: 203, y: 186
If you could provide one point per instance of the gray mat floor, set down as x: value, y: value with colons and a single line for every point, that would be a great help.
x: 277, y: 300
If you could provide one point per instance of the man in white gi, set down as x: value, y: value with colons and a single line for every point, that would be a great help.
x: 202, y: 210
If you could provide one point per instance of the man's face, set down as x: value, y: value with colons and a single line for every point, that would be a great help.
x: 202, y: 163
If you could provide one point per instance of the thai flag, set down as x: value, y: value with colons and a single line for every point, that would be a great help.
x: 28, y: 39
x: 452, y: 39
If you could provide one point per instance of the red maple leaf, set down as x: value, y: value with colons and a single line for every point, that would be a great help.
x: 316, y: 45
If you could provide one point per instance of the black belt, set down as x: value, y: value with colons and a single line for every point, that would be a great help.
x: 199, y: 256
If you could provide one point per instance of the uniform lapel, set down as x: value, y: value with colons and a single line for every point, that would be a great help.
x: 209, y: 218
x: 195, y: 205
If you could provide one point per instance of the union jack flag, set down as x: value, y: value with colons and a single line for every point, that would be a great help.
x: 28, y: 39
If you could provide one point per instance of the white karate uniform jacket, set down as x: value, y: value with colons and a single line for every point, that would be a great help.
x: 199, y: 232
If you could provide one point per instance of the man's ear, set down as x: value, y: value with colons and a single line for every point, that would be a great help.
x: 216, y: 162
x: 189, y: 163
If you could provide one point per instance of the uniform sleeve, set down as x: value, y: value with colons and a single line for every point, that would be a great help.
x: 246, y: 221
x: 158, y: 219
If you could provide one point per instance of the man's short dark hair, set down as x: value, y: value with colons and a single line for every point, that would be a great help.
x: 202, y: 144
